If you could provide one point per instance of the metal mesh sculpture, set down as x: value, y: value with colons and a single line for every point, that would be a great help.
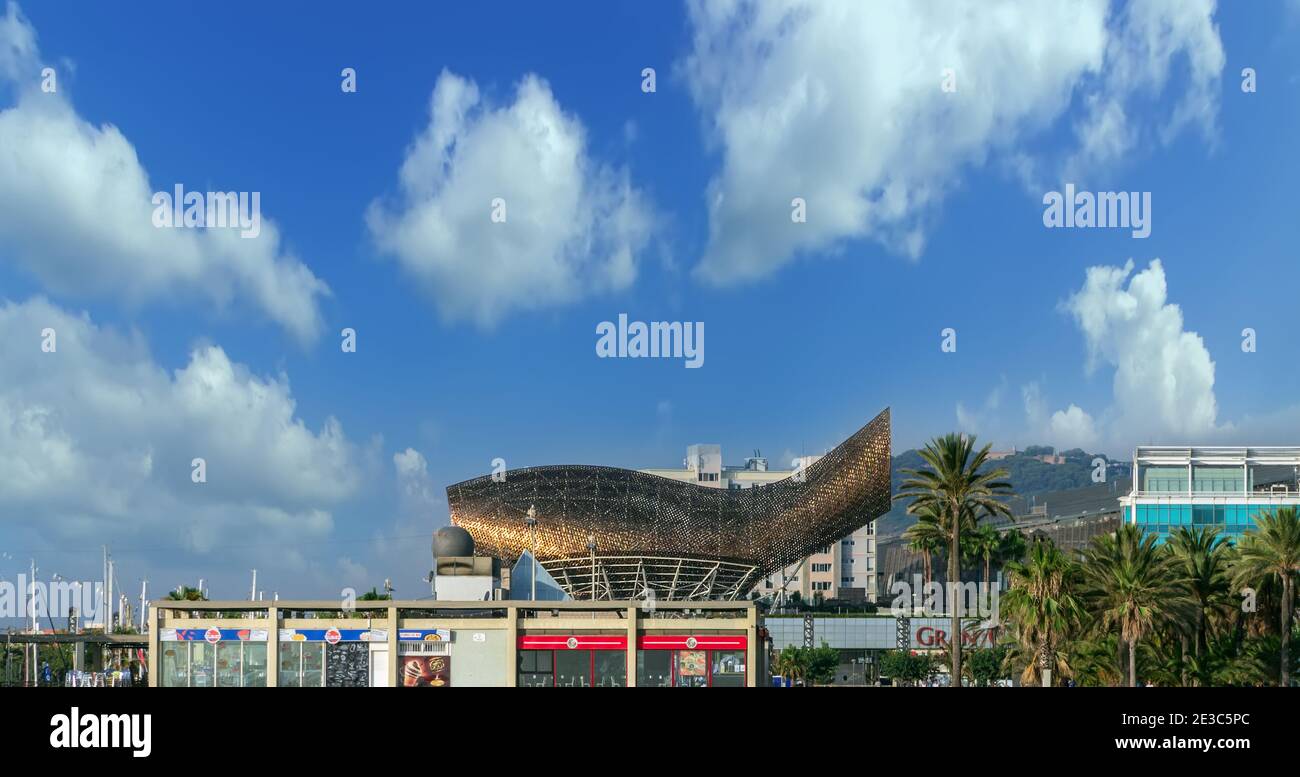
x: 605, y: 532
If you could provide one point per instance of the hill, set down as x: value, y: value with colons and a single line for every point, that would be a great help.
x: 1028, y: 475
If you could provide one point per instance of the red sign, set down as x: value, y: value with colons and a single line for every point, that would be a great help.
x: 928, y: 636
x: 213, y: 636
x: 573, y: 642
x: 333, y: 636
x: 693, y: 642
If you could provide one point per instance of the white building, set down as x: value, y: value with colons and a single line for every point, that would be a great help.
x: 844, y: 570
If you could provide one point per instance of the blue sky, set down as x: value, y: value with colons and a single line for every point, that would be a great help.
x: 831, y: 324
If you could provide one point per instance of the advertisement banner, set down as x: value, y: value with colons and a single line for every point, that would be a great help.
x: 212, y: 635
x: 425, y: 671
x: 333, y: 636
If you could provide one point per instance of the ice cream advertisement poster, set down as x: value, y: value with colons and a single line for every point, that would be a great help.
x: 425, y: 671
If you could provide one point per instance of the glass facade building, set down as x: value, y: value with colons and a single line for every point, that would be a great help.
x: 1223, y: 488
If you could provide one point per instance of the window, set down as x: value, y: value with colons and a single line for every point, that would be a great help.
x: 610, y: 668
x: 226, y: 664
x: 302, y: 665
x: 572, y: 668
x: 1164, y: 479
x: 1217, y: 480
x: 654, y: 668
x: 536, y: 668
x: 728, y: 669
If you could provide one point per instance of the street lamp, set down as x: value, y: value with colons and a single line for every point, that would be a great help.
x: 531, y: 520
x: 591, y: 548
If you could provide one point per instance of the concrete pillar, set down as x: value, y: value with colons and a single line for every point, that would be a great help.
x: 272, y: 646
x: 155, y: 648
x: 751, y: 649
x: 393, y: 658
x: 512, y: 645
x: 633, y: 627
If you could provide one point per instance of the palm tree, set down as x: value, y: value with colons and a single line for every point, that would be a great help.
x: 953, y: 485
x: 1134, y: 584
x: 926, y: 537
x: 984, y: 544
x: 791, y: 662
x: 1272, y: 550
x: 1205, y: 563
x: 1043, y: 608
x: 186, y: 594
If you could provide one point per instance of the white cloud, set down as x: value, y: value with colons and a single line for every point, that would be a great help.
x: 1163, y: 386
x: 76, y: 213
x: 97, y: 440
x: 573, y: 227
x: 1146, y: 41
x: 840, y: 103
x: 417, y: 491
x: 1073, y: 428
x: 982, y: 420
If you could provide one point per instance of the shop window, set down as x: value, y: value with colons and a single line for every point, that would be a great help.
x: 175, y: 664
x: 313, y: 664
x: 228, y: 664
x: 728, y: 669
x: 202, y: 665
x: 654, y: 668
x: 610, y: 668
x: 254, y: 675
x: 572, y: 668
x: 536, y: 668
x: 290, y: 674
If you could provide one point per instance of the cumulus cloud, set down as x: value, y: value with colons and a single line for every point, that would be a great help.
x: 840, y: 103
x: 417, y: 491
x: 573, y: 225
x: 76, y: 213
x: 1163, y: 385
x: 97, y: 439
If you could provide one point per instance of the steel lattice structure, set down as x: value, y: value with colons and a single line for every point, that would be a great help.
x: 677, y: 539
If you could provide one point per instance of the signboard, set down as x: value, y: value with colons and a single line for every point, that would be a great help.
x: 937, y: 637
x: 693, y: 642
x: 424, y: 635
x: 212, y: 635
x: 573, y: 642
x: 425, y: 671
x: 333, y: 635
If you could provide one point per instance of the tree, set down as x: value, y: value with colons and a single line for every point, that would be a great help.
x: 1205, y: 560
x: 186, y: 594
x: 822, y: 663
x: 1043, y: 607
x: 954, y: 486
x: 907, y: 668
x: 792, y: 662
x: 984, y: 544
x: 1133, y: 585
x: 986, y: 665
x: 926, y: 538
x: 1272, y: 550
